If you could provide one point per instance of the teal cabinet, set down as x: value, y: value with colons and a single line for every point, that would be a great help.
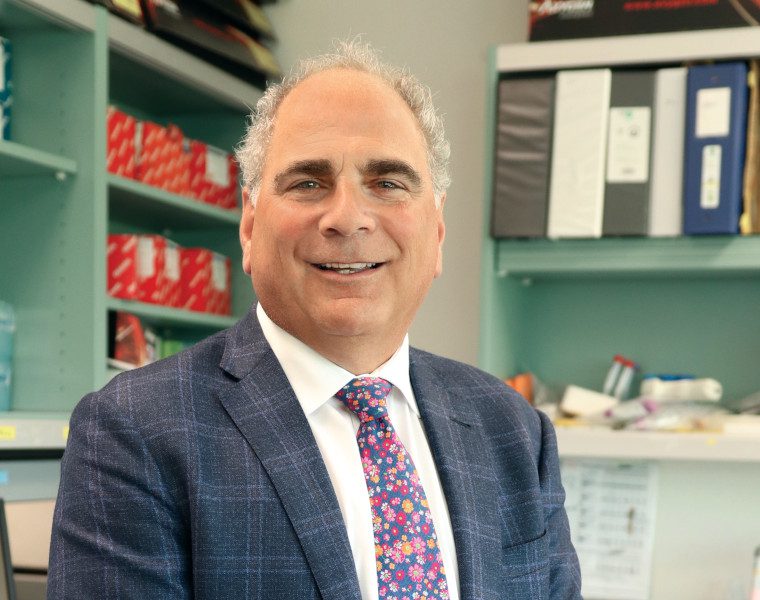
x: 72, y: 59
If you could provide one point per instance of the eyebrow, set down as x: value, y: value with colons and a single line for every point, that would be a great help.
x: 310, y: 168
x: 374, y: 167
x: 380, y: 167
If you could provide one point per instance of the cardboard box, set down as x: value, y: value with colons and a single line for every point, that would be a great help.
x: 136, y: 267
x: 120, y: 144
x: 6, y: 89
x: 205, y: 34
x: 245, y: 14
x: 196, y: 271
x: 213, y: 176
x: 565, y: 19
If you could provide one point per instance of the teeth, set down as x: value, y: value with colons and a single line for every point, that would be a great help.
x: 347, y: 268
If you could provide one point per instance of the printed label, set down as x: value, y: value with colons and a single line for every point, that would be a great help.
x: 219, y: 273
x: 7, y: 432
x: 710, y: 193
x: 628, y: 144
x: 713, y: 112
x: 217, y: 167
x: 172, y: 262
x: 146, y: 258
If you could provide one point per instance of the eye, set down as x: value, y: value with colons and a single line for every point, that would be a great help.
x: 389, y: 185
x: 309, y: 184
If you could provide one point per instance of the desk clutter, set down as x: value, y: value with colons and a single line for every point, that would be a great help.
x: 661, y: 402
x: 657, y: 152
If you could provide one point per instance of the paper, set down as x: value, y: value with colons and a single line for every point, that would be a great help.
x: 217, y: 167
x: 611, y: 506
x: 628, y: 147
x: 146, y: 258
x: 713, y: 112
x: 709, y: 196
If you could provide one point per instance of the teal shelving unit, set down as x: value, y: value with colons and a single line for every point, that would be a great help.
x: 71, y: 60
x: 563, y: 308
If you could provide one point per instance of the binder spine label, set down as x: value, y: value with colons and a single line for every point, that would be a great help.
x: 710, y: 192
x: 628, y: 144
x: 713, y: 112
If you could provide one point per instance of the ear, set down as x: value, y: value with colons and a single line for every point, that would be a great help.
x: 246, y: 227
x: 441, y: 236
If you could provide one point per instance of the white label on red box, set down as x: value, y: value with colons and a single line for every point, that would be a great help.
x: 146, y: 258
x: 217, y: 167
x: 172, y: 262
x: 219, y: 272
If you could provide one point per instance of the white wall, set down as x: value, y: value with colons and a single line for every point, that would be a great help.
x: 445, y: 43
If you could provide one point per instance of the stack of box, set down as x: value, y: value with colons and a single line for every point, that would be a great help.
x: 150, y: 268
x: 6, y: 89
x: 163, y: 157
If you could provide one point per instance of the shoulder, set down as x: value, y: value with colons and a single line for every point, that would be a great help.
x: 461, y: 378
x: 161, y: 387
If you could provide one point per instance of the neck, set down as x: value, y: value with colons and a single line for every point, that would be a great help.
x: 357, y: 355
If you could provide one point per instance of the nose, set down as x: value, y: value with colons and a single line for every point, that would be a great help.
x: 346, y: 211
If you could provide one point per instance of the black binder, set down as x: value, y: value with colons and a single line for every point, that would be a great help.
x: 522, y: 156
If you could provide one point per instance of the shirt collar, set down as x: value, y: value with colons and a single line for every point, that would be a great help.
x: 315, y: 379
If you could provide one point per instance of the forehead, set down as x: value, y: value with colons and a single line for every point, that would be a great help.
x: 349, y: 111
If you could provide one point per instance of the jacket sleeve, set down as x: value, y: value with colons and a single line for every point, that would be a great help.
x: 565, y: 576
x: 118, y: 530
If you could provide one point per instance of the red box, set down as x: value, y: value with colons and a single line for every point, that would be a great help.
x: 213, y: 176
x: 136, y: 267
x: 120, y: 143
x: 220, y: 292
x: 196, y: 265
x: 162, y: 157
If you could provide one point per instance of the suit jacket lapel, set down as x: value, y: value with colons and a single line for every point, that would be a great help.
x: 267, y: 412
x: 459, y: 449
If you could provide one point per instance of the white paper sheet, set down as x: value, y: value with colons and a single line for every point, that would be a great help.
x: 611, y: 506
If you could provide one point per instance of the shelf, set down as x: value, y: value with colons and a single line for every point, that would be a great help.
x: 686, y: 256
x: 653, y: 48
x: 33, y: 431
x: 36, y: 14
x: 165, y: 316
x: 17, y: 160
x: 167, y: 65
x: 134, y: 202
x: 582, y: 442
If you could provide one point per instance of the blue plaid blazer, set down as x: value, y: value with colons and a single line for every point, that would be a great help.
x: 199, y: 477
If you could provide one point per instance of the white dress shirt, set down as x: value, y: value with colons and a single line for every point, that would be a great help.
x: 315, y: 380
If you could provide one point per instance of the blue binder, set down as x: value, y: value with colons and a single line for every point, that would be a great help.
x: 716, y: 119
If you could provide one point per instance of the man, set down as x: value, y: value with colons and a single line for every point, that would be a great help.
x: 308, y: 452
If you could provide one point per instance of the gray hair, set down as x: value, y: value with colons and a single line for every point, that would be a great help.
x: 252, y: 150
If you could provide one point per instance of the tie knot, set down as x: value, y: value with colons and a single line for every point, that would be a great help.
x: 365, y: 396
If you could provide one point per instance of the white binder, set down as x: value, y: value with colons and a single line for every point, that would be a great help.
x: 666, y: 190
x: 581, y: 115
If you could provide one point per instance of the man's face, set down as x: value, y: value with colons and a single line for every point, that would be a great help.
x: 345, y: 238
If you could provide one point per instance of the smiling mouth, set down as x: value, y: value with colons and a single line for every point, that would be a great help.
x: 347, y: 268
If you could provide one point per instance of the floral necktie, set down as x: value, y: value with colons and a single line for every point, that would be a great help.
x: 409, y: 564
